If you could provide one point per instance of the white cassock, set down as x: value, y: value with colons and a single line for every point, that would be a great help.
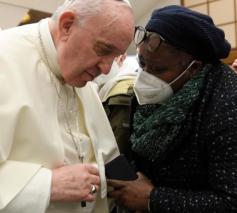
x: 44, y: 123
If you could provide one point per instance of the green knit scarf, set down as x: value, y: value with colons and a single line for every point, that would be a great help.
x: 157, y: 126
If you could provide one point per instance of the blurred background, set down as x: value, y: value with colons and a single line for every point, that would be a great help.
x: 223, y: 12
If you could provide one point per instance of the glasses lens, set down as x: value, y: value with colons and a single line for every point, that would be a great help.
x: 153, y: 42
x: 139, y: 35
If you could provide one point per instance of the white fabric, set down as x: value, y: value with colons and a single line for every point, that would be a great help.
x: 28, y: 199
x: 130, y: 66
x: 32, y: 129
x: 127, y: 71
x: 103, y: 78
x: 105, y: 90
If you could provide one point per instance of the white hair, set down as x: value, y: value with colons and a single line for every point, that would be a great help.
x: 85, y: 8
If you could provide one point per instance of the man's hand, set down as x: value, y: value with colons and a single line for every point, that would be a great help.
x: 74, y: 182
x: 132, y: 194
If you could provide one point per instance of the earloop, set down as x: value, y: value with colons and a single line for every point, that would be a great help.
x: 196, y: 67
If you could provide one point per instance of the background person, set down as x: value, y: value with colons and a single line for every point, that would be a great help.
x: 234, y: 65
x: 53, y: 134
x: 117, y: 96
x: 184, y: 138
x: 115, y: 68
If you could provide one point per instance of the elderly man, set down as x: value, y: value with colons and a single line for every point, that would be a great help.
x: 184, y: 137
x: 54, y: 138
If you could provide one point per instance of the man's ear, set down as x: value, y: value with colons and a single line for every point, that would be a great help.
x: 66, y: 22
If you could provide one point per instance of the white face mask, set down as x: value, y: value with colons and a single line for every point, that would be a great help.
x: 150, y: 89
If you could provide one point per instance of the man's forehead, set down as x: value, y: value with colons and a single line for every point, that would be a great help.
x: 112, y: 31
x: 107, y: 37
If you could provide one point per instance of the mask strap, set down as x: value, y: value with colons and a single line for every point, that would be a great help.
x: 178, y: 77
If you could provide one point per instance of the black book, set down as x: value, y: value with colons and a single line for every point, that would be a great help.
x: 120, y: 169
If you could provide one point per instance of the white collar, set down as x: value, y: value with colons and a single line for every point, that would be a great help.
x: 48, y: 49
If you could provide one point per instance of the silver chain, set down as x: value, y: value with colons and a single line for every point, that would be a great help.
x: 66, y: 111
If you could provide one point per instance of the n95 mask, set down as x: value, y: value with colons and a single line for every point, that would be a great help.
x: 150, y: 89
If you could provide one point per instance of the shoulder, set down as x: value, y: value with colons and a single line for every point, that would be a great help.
x: 18, y: 40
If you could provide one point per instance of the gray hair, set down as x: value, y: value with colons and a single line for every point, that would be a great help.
x: 84, y: 8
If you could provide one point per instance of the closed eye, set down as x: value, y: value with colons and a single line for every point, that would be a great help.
x: 103, y: 49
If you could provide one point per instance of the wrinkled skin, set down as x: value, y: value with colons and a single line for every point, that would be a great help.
x: 85, y: 50
x: 74, y: 183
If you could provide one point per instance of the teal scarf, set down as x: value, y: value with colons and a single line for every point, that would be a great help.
x: 156, y: 127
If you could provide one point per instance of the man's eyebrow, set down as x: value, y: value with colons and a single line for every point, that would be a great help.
x: 108, y: 46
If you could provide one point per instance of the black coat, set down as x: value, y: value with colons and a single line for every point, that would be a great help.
x: 200, y: 173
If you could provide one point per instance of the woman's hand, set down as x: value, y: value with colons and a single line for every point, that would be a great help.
x: 132, y: 194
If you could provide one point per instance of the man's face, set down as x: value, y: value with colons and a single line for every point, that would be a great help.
x: 89, y: 50
x: 166, y: 63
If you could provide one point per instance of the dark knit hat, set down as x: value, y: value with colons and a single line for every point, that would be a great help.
x: 191, y: 31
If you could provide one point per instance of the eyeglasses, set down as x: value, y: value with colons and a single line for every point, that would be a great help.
x: 153, y: 40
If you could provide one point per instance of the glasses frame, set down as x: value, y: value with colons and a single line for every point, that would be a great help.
x: 146, y: 38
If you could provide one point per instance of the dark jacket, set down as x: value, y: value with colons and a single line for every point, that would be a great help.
x: 200, y: 173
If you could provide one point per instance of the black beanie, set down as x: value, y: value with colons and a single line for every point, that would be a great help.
x: 191, y: 31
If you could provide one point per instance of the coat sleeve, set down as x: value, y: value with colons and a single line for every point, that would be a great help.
x: 16, y: 170
x: 27, y: 200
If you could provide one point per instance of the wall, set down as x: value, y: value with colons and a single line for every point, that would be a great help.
x: 12, y: 11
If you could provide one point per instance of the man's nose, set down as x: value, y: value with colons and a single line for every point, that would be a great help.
x: 105, y: 65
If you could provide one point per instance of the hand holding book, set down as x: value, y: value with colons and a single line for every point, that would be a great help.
x: 120, y: 169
